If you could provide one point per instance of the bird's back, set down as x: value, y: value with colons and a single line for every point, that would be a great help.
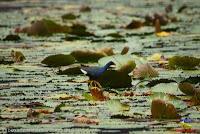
x: 92, y: 72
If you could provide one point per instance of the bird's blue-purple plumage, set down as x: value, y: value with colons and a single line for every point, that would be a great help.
x: 95, y: 72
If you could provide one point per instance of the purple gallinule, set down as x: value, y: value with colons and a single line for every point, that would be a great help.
x: 95, y: 72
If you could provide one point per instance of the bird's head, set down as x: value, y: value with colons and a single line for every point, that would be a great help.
x: 111, y: 64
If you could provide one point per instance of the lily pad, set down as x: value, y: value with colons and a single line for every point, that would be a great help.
x: 2, y: 58
x: 69, y: 16
x: 169, y: 88
x: 158, y: 81
x: 43, y: 27
x: 74, y: 70
x: 187, y: 88
x: 17, y: 56
x: 116, y: 106
x: 163, y: 110
x: 58, y: 60
x: 145, y: 71
x: 128, y: 67
x: 12, y: 37
x: 184, y: 62
x: 169, y: 98
x: 135, y: 24
x: 85, y: 9
x: 123, y: 62
x: 87, y: 55
x: 58, y: 107
x: 80, y: 30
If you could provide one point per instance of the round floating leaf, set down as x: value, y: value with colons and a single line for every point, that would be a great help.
x: 12, y: 37
x: 118, y: 59
x: 187, y: 88
x: 87, y: 55
x: 58, y: 60
x: 163, y: 110
x: 2, y: 58
x: 73, y: 70
x: 124, y: 63
x: 43, y: 27
x: 69, y: 16
x: 117, y: 106
x: 145, y: 71
x: 169, y: 88
x: 135, y: 24
x: 128, y: 67
x: 158, y: 81
x: 17, y: 56
x: 184, y: 62
x: 177, y: 102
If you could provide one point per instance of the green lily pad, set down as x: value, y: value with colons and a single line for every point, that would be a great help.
x: 58, y: 107
x: 86, y: 56
x: 44, y: 27
x: 69, y: 16
x: 116, y: 106
x: 158, y: 81
x: 169, y: 88
x: 124, y: 63
x: 184, y: 62
x: 178, y: 103
x: 187, y: 88
x: 70, y: 71
x: 12, y: 37
x: 58, y: 60
x: 80, y: 30
x: 88, y: 96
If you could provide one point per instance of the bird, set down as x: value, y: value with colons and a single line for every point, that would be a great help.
x: 95, y: 72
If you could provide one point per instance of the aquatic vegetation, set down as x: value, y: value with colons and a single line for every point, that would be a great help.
x: 58, y: 60
x: 145, y: 71
x: 69, y: 16
x: 163, y: 110
x: 184, y: 62
x: 42, y: 88
x: 17, y: 56
x: 12, y: 37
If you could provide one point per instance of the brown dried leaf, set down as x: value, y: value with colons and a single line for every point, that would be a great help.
x: 85, y: 120
x: 17, y: 56
x: 145, y: 71
x: 98, y: 94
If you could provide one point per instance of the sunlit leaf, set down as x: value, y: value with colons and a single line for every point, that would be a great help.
x: 123, y: 63
x: 169, y: 88
x: 116, y: 106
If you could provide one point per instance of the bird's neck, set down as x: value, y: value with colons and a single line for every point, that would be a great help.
x: 106, y: 66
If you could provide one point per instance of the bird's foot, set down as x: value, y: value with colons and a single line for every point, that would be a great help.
x: 93, y: 83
